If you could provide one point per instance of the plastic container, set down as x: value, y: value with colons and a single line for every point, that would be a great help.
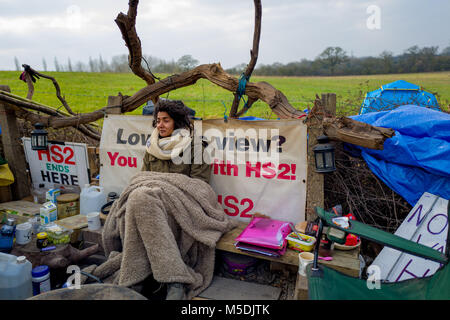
x: 57, y: 234
x: 40, y: 277
x: 39, y: 194
x: 92, y: 198
x: 238, y: 264
x: 15, y: 277
x: 7, y: 232
x: 305, y: 244
x: 48, y: 213
x: 52, y: 194
x: 35, y: 222
x: 68, y: 205
x: 67, y: 188
x: 41, y: 240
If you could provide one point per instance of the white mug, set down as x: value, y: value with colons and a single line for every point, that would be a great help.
x: 93, y: 219
x: 23, y: 233
x: 305, y: 258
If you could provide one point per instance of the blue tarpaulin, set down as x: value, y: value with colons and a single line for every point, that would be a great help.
x: 395, y: 94
x: 417, y: 158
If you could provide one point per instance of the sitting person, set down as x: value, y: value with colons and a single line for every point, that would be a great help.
x: 165, y: 225
x: 170, y: 139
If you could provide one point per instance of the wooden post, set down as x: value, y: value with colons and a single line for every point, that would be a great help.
x: 315, y: 188
x: 114, y: 105
x: 93, y: 161
x: 13, y: 150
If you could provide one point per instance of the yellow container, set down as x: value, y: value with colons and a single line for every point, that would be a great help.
x: 305, y: 244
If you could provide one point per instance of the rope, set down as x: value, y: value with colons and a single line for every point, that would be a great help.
x: 241, y: 90
x: 225, y: 117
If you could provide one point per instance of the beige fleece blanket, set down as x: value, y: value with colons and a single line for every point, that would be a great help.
x: 165, y: 224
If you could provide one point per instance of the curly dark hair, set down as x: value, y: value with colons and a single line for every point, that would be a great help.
x: 176, y: 110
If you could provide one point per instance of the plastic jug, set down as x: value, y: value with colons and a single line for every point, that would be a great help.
x: 92, y: 198
x: 15, y: 277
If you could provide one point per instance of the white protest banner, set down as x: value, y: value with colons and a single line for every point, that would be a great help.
x: 427, y: 224
x: 122, y: 148
x: 63, y: 163
x: 268, y: 174
x: 258, y: 166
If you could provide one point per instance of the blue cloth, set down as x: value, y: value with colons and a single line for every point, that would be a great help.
x: 395, y: 94
x: 251, y: 118
x: 417, y: 158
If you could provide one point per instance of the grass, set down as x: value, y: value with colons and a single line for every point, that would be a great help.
x: 86, y: 92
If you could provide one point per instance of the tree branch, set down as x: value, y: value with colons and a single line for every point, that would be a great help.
x: 30, y: 86
x: 127, y: 26
x: 253, y: 58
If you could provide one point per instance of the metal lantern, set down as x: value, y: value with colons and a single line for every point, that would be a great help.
x: 39, y: 137
x: 324, y: 155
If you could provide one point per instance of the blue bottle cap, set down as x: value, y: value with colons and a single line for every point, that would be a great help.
x: 40, y: 271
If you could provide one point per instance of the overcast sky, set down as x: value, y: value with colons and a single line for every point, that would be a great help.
x: 217, y: 30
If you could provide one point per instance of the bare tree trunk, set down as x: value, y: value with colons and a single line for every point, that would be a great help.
x: 251, y: 66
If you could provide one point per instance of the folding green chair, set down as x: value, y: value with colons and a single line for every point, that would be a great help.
x: 328, y: 284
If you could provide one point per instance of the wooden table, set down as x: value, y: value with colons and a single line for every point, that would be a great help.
x: 344, y: 261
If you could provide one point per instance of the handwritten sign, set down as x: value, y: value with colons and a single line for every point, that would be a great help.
x: 256, y: 166
x: 427, y: 224
x: 122, y: 148
x: 64, y: 163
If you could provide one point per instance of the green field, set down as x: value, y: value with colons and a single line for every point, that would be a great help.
x: 89, y: 91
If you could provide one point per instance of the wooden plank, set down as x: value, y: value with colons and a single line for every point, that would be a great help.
x: 5, y: 194
x: 231, y: 289
x: 21, y: 206
x: 114, y: 105
x: 301, y: 288
x: 93, y: 162
x: 13, y: 149
x: 78, y: 221
x: 315, y: 186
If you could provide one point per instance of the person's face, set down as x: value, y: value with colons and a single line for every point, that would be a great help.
x: 165, y: 124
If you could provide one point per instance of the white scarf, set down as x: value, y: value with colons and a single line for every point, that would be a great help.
x: 168, y: 147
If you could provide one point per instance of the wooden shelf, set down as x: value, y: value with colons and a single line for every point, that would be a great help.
x: 344, y: 261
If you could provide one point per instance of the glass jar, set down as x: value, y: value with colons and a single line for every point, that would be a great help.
x: 42, y: 240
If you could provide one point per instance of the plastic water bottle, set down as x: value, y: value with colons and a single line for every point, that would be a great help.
x: 39, y: 194
x: 7, y: 233
x: 92, y: 198
x: 15, y: 277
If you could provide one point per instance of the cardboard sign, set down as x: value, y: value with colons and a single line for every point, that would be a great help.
x: 64, y: 163
x: 256, y: 166
x: 427, y: 224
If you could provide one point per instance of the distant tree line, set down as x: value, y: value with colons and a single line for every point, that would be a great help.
x: 332, y: 61
x: 335, y: 61
x: 117, y: 64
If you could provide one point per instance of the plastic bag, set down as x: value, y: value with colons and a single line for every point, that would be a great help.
x: 265, y: 232
x: 6, y: 176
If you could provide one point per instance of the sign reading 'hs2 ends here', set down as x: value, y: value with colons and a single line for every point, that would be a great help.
x: 64, y: 163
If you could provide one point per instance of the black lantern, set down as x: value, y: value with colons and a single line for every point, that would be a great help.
x: 39, y: 137
x: 324, y: 155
